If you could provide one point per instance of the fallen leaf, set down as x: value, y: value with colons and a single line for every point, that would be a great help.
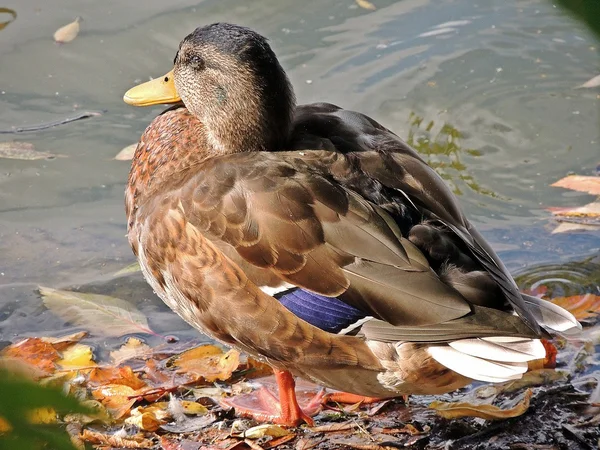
x: 77, y: 356
x: 7, y: 11
x: 187, y: 407
x: 583, y: 307
x: 116, y: 398
x: 591, y: 83
x: 580, y: 183
x: 307, y: 443
x: 68, y: 32
x: 538, y: 377
x: 191, y: 425
x: 365, y: 4
x: 549, y: 362
x: 183, y: 444
x: 590, y: 211
x: 137, y: 441
x: 566, y: 227
x: 116, y: 375
x: 131, y: 268
x: 109, y: 316
x: 99, y: 413
x: 264, y: 430
x: 146, y: 421
x: 332, y: 427
x: 133, y: 348
x: 279, y: 441
x: 42, y: 415
x: 126, y: 154
x: 206, y: 362
x: 63, y: 342
x: 22, y: 150
x: 34, y: 352
x: 457, y: 410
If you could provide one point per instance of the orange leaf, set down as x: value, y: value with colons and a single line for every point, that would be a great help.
x: 206, y: 362
x: 581, y: 183
x: 116, y: 398
x: 34, y: 352
x: 116, y: 375
x: 551, y: 352
x: 581, y: 306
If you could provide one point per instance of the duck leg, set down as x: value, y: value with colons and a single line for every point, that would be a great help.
x: 283, y: 411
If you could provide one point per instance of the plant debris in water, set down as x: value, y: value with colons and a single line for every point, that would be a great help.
x: 23, y: 150
x: 68, y: 32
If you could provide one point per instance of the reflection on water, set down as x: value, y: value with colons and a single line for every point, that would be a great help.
x: 484, y: 90
x: 563, y: 280
x: 442, y: 150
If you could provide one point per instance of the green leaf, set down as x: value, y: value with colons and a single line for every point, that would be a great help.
x: 586, y: 11
x: 18, y: 397
x: 108, y: 316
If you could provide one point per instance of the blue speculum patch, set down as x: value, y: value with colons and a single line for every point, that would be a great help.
x: 327, y: 313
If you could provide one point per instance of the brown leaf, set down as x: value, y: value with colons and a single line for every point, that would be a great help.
x: 365, y: 4
x: 137, y: 441
x: 333, y: 427
x: 68, y: 32
x: 279, y: 441
x: 585, y: 306
x: 457, y: 410
x: 307, y: 443
x: 116, y: 375
x: 581, y: 183
x: 206, y: 362
x: 134, y: 348
x: 538, y: 377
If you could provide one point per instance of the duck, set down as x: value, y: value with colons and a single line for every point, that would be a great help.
x: 315, y: 239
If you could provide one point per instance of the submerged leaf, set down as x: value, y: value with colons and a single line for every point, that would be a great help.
x: 127, y: 153
x: 68, y: 32
x: 133, y: 348
x: 22, y: 150
x: 34, y: 352
x: 488, y: 412
x: 581, y: 183
x: 77, y: 356
x: 109, y: 316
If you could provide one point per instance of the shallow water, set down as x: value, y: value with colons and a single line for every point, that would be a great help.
x: 490, y: 82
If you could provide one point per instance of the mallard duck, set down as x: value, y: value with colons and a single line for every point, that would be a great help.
x: 314, y: 238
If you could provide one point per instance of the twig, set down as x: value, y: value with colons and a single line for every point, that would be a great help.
x: 55, y: 123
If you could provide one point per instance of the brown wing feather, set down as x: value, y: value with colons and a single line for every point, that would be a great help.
x: 311, y: 231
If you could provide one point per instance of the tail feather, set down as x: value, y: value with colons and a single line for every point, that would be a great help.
x: 552, y: 317
x: 517, y: 350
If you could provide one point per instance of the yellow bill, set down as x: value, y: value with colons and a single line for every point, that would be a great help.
x: 158, y: 91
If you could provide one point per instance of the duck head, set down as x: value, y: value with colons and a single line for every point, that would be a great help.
x: 228, y: 78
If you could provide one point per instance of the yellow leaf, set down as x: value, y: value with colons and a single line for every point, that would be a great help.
x: 77, y: 356
x: 68, y: 32
x: 488, y: 412
x: 365, y: 4
x: 4, y: 426
x: 264, y: 430
x: 42, y: 415
x: 191, y: 408
x: 117, y: 398
x: 146, y: 421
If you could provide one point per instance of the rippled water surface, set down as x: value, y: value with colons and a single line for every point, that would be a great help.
x: 484, y: 89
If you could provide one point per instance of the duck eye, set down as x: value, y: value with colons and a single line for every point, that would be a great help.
x: 197, y: 62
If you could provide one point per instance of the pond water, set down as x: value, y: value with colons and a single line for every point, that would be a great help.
x: 484, y: 89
